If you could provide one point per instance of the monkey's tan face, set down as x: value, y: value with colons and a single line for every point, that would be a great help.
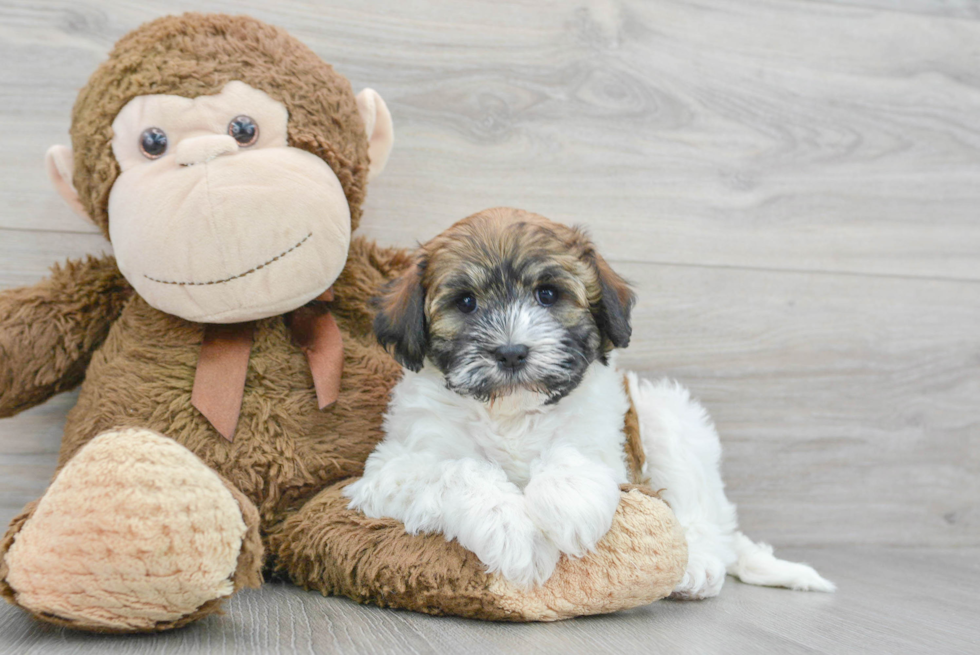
x: 214, y: 217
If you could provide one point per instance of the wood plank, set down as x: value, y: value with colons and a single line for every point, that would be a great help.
x: 30, y: 443
x: 785, y: 135
x: 27, y: 255
x: 928, y: 608
x: 847, y: 404
x: 946, y: 8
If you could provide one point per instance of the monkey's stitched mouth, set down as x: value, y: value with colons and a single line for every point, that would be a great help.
x: 233, y: 277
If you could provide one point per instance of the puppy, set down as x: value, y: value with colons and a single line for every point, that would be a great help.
x: 508, y: 431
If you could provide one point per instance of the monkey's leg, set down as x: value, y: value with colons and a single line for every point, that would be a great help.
x: 134, y: 534
x: 325, y: 546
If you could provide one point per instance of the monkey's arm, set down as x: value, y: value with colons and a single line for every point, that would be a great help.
x: 369, y: 267
x: 49, y: 331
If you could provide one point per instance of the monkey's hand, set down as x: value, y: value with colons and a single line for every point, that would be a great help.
x: 49, y: 331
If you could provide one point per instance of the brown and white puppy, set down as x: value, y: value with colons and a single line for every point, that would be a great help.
x: 507, y: 300
x: 507, y: 431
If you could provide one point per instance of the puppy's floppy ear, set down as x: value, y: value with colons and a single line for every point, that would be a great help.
x: 399, y: 323
x: 612, y: 314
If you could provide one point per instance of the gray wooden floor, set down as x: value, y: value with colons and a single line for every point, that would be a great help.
x: 794, y: 187
x: 928, y: 595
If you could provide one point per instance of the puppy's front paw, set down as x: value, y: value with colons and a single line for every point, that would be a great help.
x: 522, y: 554
x: 508, y: 542
x: 546, y: 556
x: 574, y: 512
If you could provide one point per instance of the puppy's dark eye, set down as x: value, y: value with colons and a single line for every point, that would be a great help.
x: 153, y: 142
x: 547, y: 295
x: 466, y: 303
x: 244, y: 130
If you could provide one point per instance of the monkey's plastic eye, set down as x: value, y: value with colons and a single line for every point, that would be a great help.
x: 153, y: 142
x: 244, y: 130
x: 547, y: 295
x: 466, y: 303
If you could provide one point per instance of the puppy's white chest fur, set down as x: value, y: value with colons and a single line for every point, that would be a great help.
x: 512, y: 432
x: 517, y: 482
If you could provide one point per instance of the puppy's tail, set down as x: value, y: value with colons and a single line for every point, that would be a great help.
x: 755, y: 564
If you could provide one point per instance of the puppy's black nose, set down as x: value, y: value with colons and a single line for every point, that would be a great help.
x: 511, y: 356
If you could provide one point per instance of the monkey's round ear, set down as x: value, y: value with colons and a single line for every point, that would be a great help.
x: 60, y: 164
x: 399, y: 323
x: 380, y: 130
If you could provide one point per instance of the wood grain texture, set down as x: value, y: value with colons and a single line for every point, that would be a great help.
x: 794, y: 187
x: 26, y: 256
x: 791, y: 135
x: 847, y: 406
x: 930, y: 609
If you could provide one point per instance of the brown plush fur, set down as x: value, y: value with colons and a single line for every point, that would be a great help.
x: 334, y: 550
x: 288, y: 460
x: 285, y: 449
x: 51, y: 330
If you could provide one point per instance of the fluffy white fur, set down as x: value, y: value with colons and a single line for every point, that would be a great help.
x: 683, y: 458
x: 519, y: 482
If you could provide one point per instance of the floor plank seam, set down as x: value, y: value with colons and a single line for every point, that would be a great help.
x: 801, y: 271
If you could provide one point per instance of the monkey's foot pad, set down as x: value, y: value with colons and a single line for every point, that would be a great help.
x: 135, y: 533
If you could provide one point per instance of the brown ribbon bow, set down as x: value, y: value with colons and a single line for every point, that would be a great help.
x: 219, y: 383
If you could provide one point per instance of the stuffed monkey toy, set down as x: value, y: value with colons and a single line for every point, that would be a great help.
x: 230, y: 383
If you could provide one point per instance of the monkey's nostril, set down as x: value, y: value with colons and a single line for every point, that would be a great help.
x: 511, y: 356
